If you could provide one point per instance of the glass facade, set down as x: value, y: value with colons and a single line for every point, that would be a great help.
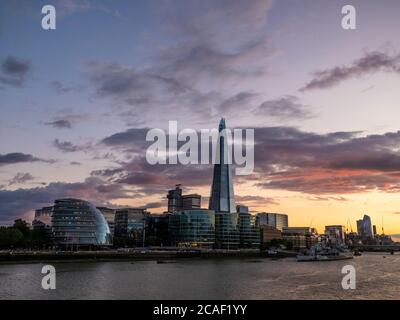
x: 109, y: 215
x: 249, y: 231
x: 227, y: 235
x: 193, y: 228
x: 78, y: 222
x: 131, y: 223
x: 364, y: 227
x: 276, y: 220
x: 222, y: 198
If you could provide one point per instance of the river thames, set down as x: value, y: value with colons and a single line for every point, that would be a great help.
x: 377, y: 277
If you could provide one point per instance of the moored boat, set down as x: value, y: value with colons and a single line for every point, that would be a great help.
x: 320, y: 252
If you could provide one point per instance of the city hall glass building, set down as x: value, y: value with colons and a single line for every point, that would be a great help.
x: 77, y: 223
x: 193, y: 228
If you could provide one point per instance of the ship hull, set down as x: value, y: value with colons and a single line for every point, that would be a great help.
x: 305, y: 258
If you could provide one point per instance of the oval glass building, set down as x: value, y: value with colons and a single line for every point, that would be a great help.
x: 78, y: 223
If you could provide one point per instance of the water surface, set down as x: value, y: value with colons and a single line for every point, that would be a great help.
x: 378, y: 277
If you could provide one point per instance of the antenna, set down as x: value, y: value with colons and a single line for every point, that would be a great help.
x: 383, y: 232
x: 311, y: 222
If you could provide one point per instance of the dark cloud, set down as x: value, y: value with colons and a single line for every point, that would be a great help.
x: 201, y: 63
x: 255, y: 201
x: 22, y: 202
x: 67, y: 146
x: 287, y: 107
x: 60, y: 124
x: 20, y: 178
x: 134, y: 87
x: 16, y: 157
x: 193, y: 77
x: 334, y: 163
x: 155, y: 205
x: 134, y: 138
x: 14, y: 71
x: 371, y: 62
x: 285, y: 158
x: 67, y: 120
x: 237, y: 102
x: 60, y: 87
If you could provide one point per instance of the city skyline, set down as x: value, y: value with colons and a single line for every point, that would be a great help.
x: 77, y: 103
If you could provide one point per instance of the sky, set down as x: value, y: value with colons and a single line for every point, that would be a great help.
x: 76, y: 103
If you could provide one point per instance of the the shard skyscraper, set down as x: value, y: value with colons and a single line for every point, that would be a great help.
x: 222, y: 198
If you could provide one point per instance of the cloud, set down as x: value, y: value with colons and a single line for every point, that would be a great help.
x: 239, y: 101
x: 369, y: 63
x: 22, y: 202
x: 133, y: 136
x: 14, y: 71
x: 255, y: 201
x: 287, y: 107
x: 334, y: 198
x: 133, y: 85
x: 214, y: 52
x: 59, y: 87
x: 60, y: 124
x: 285, y: 158
x: 17, y: 157
x: 20, y: 178
x: 67, y: 146
x: 66, y: 121
x: 335, y: 163
x: 69, y: 7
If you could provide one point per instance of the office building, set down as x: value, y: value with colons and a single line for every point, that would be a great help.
x: 157, y: 233
x: 337, y: 232
x: 227, y: 234
x: 77, y: 224
x: 193, y: 228
x: 222, y: 196
x: 131, y: 223
x: 269, y: 234
x: 191, y: 201
x: 109, y: 215
x: 174, y: 197
x: 178, y: 201
x: 42, y: 219
x: 276, y: 220
x: 364, y: 228
x: 249, y: 231
x: 242, y: 209
x: 300, y: 237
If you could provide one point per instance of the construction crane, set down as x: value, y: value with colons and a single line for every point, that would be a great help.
x: 349, y: 224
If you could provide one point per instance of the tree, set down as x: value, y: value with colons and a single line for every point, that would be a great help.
x: 11, y: 238
x: 22, y: 226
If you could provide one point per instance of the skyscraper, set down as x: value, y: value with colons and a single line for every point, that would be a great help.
x: 179, y: 202
x: 222, y: 197
x: 364, y: 227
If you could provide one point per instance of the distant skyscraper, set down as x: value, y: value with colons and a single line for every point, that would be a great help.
x: 179, y: 202
x: 174, y: 197
x: 222, y: 197
x: 364, y: 227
